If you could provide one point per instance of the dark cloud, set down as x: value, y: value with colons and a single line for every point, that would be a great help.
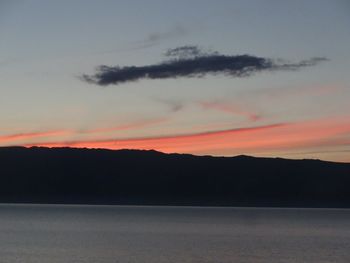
x: 185, y: 52
x: 190, y: 62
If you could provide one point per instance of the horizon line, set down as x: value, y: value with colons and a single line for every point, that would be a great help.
x: 170, y: 153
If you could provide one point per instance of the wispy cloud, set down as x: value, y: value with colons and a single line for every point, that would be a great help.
x: 193, y: 62
x: 129, y: 126
x: 155, y: 142
x: 229, y: 108
x: 173, y: 104
x: 297, y: 91
x: 156, y: 37
x: 31, y: 135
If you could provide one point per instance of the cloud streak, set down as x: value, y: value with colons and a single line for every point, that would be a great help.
x: 28, y: 136
x: 129, y: 126
x: 192, y: 62
x: 31, y: 135
x: 154, y: 38
x: 268, y: 139
x: 162, y: 142
x: 228, y: 108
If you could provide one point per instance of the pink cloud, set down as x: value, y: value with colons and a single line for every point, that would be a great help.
x: 30, y: 135
x: 229, y: 108
x: 307, y: 135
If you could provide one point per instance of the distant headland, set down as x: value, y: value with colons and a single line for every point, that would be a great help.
x: 138, y: 177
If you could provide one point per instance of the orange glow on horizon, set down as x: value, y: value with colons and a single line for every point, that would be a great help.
x: 268, y: 138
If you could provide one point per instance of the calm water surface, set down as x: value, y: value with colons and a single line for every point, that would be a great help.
x: 89, y: 234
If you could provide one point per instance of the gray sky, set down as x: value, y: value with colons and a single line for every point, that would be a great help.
x: 46, y: 46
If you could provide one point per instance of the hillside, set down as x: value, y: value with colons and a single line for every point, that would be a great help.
x: 96, y: 176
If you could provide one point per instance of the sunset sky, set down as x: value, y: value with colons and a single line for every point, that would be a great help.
x: 175, y: 78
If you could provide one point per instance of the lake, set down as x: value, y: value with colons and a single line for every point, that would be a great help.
x: 93, y: 234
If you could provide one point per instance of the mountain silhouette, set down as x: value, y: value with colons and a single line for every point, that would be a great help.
x: 138, y: 177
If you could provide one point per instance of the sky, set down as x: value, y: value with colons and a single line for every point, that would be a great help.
x: 263, y: 78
